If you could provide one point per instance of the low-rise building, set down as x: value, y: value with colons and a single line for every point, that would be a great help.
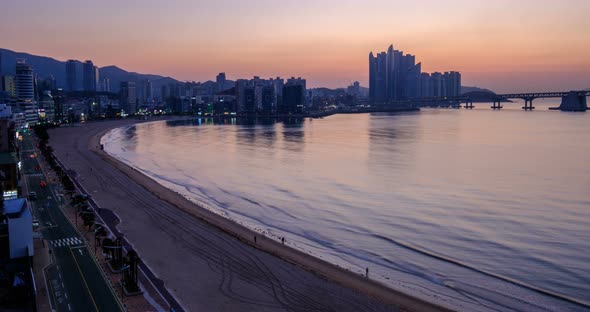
x: 16, y: 229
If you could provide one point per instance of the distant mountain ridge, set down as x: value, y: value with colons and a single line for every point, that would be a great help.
x: 466, y: 89
x: 45, y: 66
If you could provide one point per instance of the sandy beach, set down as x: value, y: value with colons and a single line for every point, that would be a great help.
x: 208, y: 262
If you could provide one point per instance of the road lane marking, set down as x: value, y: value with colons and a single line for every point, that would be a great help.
x: 84, y: 279
x: 64, y: 242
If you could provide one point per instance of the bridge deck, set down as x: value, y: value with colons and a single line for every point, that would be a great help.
x: 463, y: 98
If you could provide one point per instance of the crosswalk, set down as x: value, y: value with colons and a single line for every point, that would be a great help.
x: 70, y: 241
x: 35, y: 174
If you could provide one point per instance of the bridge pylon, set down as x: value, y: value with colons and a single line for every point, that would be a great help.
x: 528, y: 104
x: 497, y: 104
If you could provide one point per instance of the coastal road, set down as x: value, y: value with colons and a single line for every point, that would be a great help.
x: 204, y: 268
x: 74, y: 280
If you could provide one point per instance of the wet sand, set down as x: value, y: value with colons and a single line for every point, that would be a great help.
x: 208, y: 262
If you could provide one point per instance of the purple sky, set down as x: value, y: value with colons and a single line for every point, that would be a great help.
x: 502, y: 45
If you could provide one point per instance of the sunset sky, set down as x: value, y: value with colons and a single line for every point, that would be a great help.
x: 503, y: 45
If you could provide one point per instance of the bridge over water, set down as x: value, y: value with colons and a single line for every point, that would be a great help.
x: 572, y: 100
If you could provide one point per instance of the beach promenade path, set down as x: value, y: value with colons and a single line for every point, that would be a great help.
x: 74, y: 280
x: 203, y: 267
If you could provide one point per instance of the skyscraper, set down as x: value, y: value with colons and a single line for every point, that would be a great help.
x: 128, y: 98
x: 25, y: 88
x: 71, y: 76
x: 372, y: 75
x: 89, y: 76
x: 220, y: 79
x: 144, y: 91
x: 8, y: 85
x: 381, y: 91
x: 106, y: 85
x: 395, y: 76
x: 453, y: 83
x: 268, y: 101
x: 437, y: 84
x: 96, y: 80
x: 425, y: 85
x: 413, y: 81
x: 148, y: 92
x: 391, y: 78
x: 25, y: 91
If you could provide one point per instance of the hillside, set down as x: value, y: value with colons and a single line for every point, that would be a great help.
x: 466, y: 89
x: 45, y: 66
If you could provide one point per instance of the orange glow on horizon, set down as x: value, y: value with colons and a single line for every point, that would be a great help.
x: 327, y: 42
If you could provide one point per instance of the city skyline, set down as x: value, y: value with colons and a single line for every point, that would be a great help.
x: 325, y: 42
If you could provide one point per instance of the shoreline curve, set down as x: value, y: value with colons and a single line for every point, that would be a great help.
x: 319, y: 267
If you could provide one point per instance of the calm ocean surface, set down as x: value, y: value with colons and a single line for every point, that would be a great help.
x: 477, y: 210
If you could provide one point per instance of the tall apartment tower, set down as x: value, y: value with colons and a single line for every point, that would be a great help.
x: 89, y: 76
x: 71, y: 76
x: 294, y: 96
x: 395, y: 76
x: 453, y: 83
x: 96, y: 80
x: 128, y: 99
x: 149, y: 97
x: 220, y: 79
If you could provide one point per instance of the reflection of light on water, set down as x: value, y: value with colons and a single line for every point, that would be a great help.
x: 438, y: 182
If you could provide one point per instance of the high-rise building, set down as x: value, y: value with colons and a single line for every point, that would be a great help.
x: 372, y: 75
x: 399, y: 77
x: 378, y: 75
x: 391, y: 73
x: 25, y: 88
x: 294, y: 96
x: 268, y: 101
x: 354, y: 89
x: 149, y: 91
x: 220, y: 80
x: 266, y: 95
x: 106, y: 85
x: 412, y: 87
x: 164, y: 93
x: 395, y: 76
x: 89, y: 76
x: 96, y: 80
x: 48, y: 83
x: 144, y: 92
x: 47, y: 107
x: 25, y: 91
x: 425, y: 85
x: 71, y: 76
x: 453, y: 83
x: 249, y: 100
x: 8, y: 85
x: 437, y: 84
x: 128, y: 98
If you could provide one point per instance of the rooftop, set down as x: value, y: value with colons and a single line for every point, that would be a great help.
x: 14, y: 207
